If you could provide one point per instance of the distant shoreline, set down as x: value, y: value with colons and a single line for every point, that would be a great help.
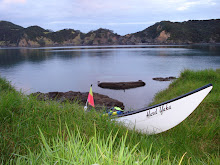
x: 118, y: 46
x: 161, y: 33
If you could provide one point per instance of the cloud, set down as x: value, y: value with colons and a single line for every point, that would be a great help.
x: 187, y: 5
x: 13, y: 1
x: 99, y: 23
x: 73, y: 22
x: 128, y: 23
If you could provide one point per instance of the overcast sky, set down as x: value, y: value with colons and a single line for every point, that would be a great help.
x: 121, y: 16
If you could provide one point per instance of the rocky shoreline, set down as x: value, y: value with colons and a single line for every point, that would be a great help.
x: 99, y: 99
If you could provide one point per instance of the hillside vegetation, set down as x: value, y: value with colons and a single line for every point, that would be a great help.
x: 203, y: 31
x: 38, y: 132
x: 164, y: 32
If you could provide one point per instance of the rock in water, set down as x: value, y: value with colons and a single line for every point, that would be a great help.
x: 164, y: 79
x: 121, y: 85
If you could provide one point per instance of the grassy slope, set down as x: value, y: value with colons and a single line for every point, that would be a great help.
x: 198, y: 135
x: 22, y: 116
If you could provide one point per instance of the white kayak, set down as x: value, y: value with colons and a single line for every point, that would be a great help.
x: 166, y: 115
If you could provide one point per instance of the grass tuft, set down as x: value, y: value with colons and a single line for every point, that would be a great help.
x: 73, y: 148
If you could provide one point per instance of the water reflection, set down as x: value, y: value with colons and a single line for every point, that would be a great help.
x: 75, y: 68
x: 12, y: 57
x: 66, y: 55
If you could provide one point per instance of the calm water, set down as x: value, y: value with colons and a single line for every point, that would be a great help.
x: 75, y: 68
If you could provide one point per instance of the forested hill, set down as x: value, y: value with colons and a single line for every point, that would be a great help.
x: 164, y: 32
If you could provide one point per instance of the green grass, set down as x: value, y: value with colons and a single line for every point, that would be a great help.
x: 196, y: 139
x: 22, y: 116
x: 199, y: 133
x: 73, y: 148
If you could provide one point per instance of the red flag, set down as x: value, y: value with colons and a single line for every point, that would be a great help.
x: 90, y: 97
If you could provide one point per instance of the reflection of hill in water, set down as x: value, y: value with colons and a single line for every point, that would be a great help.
x: 11, y: 57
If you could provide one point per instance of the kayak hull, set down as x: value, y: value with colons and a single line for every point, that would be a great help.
x: 166, y: 115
